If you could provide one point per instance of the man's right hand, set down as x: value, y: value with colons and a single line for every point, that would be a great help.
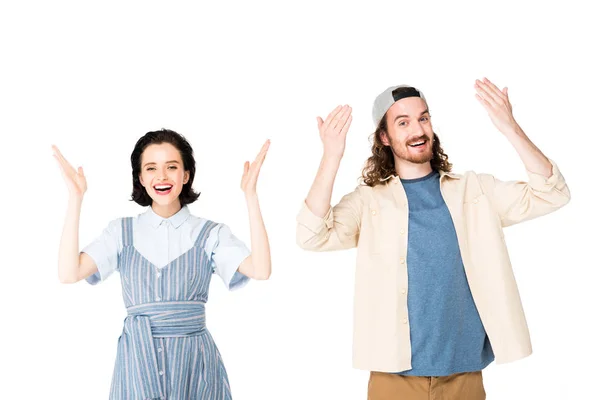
x: 333, y: 131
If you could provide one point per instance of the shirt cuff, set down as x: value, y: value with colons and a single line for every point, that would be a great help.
x: 541, y: 183
x: 104, y: 270
x: 234, y: 279
x: 238, y: 281
x: 313, y: 222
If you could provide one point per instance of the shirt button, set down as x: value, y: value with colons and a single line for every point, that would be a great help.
x: 402, y: 231
x: 405, y: 321
x: 158, y: 274
x: 476, y: 201
x: 158, y: 299
x: 373, y: 212
x: 403, y: 291
x: 402, y: 261
x: 159, y: 349
x: 160, y: 373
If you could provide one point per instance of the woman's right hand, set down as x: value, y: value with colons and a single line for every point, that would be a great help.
x: 333, y: 131
x: 75, y: 179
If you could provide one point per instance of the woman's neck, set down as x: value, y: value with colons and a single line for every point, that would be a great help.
x: 168, y: 210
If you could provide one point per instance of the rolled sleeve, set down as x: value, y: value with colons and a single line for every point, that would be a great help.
x: 518, y: 201
x: 542, y: 184
x: 227, y: 254
x: 104, y: 250
x: 338, y: 229
x: 313, y: 222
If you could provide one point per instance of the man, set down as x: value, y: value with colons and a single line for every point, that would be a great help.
x: 435, y: 298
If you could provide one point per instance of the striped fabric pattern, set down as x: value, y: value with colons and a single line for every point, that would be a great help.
x: 165, y: 351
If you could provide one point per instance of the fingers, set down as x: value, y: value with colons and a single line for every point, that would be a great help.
x: 260, y: 158
x: 505, y: 92
x: 64, y: 164
x: 263, y: 150
x: 494, y: 88
x: 55, y: 149
x: 486, y: 93
x: 64, y: 168
x: 343, y: 118
x: 332, y: 114
x: 245, y: 174
x: 330, y: 118
x: 319, y: 122
x: 346, y: 126
x: 251, y: 170
x: 483, y: 102
x: 489, y: 91
x: 60, y: 166
x: 58, y: 154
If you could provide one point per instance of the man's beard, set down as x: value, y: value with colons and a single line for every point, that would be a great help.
x: 404, y: 152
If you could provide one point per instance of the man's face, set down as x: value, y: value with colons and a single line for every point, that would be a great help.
x: 409, y: 131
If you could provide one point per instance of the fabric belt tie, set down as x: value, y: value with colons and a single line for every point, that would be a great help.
x: 146, y: 322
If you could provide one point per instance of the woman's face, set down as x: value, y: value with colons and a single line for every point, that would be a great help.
x: 162, y: 173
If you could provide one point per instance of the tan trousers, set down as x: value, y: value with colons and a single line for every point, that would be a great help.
x: 465, y: 386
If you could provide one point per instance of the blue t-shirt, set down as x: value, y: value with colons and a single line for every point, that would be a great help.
x: 446, y: 332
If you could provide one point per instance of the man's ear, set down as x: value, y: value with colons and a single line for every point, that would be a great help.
x: 384, y: 138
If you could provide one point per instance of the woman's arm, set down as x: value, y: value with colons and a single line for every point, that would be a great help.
x: 72, y: 266
x: 258, y: 264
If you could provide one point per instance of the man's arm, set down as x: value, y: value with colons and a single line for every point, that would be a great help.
x: 546, y: 189
x: 319, y: 227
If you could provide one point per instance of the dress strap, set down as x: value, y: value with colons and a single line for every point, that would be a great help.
x: 127, y: 231
x: 205, y: 232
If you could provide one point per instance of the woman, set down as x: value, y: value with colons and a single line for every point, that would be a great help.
x: 166, y: 258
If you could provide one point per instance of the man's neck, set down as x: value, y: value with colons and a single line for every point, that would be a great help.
x: 408, y: 170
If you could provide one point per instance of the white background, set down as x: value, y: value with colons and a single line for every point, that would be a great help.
x: 94, y: 77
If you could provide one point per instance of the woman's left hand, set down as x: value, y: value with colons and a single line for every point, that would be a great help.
x: 497, y: 105
x: 251, y: 171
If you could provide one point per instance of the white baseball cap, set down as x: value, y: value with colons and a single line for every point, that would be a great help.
x: 389, y: 96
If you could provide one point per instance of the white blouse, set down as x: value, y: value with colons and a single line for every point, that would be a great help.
x: 162, y: 240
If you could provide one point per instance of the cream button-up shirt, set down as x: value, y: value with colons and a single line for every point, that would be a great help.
x: 375, y: 219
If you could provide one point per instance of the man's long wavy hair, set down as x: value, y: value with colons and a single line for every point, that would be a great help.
x: 381, y: 163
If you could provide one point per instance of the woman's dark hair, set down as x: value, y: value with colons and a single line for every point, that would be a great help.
x: 139, y: 194
x: 381, y: 163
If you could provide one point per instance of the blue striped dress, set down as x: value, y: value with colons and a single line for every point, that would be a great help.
x: 165, y: 350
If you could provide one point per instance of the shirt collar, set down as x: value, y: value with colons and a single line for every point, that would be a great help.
x: 450, y: 175
x: 443, y: 174
x: 176, y: 220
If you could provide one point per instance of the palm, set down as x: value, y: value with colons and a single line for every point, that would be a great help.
x: 497, y: 105
x: 334, y: 129
x: 75, y: 179
x: 251, y: 171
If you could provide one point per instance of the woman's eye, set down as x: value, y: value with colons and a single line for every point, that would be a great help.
x: 150, y: 169
x: 172, y: 167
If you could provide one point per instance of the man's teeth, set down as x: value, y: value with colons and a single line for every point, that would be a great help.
x: 418, y: 143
